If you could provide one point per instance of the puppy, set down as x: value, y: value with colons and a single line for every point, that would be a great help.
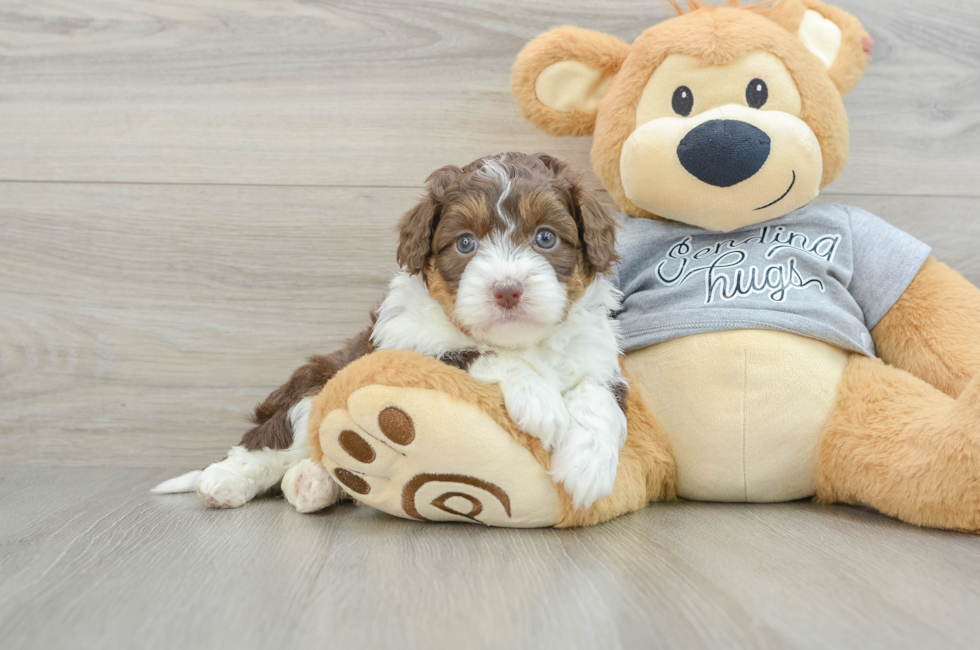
x: 502, y: 275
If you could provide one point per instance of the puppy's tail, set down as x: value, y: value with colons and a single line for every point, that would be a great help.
x: 183, y: 483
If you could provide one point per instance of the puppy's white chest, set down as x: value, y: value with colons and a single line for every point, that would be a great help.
x: 557, y: 371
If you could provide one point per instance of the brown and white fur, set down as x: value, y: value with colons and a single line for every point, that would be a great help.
x: 502, y: 275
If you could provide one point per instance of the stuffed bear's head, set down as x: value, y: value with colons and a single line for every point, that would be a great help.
x: 720, y: 118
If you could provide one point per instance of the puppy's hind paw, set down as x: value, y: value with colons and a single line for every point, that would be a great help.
x: 309, y: 488
x: 221, y: 488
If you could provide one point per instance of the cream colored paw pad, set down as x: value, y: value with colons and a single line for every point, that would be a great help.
x: 419, y: 454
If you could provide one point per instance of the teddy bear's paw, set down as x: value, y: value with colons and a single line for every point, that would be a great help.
x: 420, y: 454
x: 308, y: 487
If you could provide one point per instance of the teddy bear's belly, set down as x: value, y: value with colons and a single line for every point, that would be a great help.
x: 743, y: 409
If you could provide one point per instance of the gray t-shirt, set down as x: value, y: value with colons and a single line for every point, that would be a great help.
x: 828, y: 272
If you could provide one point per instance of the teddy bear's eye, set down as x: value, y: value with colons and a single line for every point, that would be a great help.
x: 757, y: 93
x: 683, y: 101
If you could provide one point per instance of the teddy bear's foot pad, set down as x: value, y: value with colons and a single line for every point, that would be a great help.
x: 419, y: 454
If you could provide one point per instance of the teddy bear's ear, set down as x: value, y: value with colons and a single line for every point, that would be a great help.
x: 561, y: 76
x: 833, y: 35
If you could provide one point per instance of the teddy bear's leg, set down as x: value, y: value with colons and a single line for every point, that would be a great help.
x: 898, y: 444
x: 421, y: 440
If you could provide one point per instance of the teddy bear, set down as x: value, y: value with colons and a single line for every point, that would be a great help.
x: 776, y: 349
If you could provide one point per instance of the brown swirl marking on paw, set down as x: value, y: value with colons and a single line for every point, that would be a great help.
x: 475, y: 506
x: 396, y: 424
x: 351, y: 480
x: 356, y: 446
x: 413, y: 486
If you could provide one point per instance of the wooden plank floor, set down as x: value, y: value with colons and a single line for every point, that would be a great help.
x: 380, y: 92
x: 90, y: 560
x: 195, y: 195
x: 141, y: 322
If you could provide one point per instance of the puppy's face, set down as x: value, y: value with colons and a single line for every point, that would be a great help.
x: 507, y: 244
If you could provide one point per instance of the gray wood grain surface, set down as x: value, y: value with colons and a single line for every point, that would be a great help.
x: 90, y: 560
x: 378, y: 92
x: 195, y: 195
x: 142, y: 322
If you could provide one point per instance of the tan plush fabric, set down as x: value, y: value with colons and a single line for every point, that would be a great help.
x: 740, y: 416
x: 855, y: 51
x: 461, y: 429
x: 905, y: 438
x: 571, y: 85
x: 600, y: 52
x: 900, y: 438
x: 793, y: 171
x: 457, y: 400
x: 934, y: 330
x: 744, y: 410
x: 717, y: 37
x: 821, y: 36
x: 404, y: 369
x: 420, y: 454
x: 903, y: 447
x: 790, y: 178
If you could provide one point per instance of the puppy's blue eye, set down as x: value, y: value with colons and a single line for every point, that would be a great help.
x: 466, y: 244
x: 545, y: 239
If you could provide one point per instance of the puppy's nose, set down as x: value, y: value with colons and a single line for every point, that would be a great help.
x: 507, y: 294
x: 724, y: 152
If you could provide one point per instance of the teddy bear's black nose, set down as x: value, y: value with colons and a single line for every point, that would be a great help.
x: 724, y: 152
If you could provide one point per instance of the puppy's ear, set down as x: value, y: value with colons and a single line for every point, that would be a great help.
x: 597, y: 226
x: 596, y: 223
x: 418, y: 225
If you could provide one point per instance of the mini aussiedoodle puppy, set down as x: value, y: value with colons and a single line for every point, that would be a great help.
x: 503, y: 265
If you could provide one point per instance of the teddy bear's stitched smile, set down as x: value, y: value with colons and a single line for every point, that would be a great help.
x: 785, y: 194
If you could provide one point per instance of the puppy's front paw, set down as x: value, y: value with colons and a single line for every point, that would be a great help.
x: 536, y: 411
x: 308, y: 487
x: 222, y: 488
x: 585, y: 469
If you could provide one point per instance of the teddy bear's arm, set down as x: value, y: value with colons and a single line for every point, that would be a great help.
x: 933, y: 331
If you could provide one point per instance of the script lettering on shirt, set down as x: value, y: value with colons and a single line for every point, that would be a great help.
x: 727, y: 276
